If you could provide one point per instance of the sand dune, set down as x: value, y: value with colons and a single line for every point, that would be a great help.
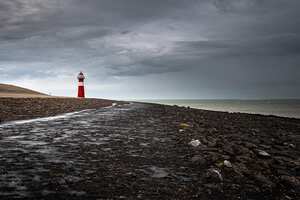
x: 18, y: 92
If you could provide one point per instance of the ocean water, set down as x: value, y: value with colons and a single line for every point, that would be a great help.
x: 283, y: 108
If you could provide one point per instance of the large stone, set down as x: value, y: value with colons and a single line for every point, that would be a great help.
x: 291, y: 181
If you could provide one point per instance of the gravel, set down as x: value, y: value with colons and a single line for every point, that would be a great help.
x: 136, y: 151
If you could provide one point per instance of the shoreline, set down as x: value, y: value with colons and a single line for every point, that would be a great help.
x: 219, y: 111
x: 289, y: 108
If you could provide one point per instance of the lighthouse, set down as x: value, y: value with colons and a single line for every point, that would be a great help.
x: 80, y: 78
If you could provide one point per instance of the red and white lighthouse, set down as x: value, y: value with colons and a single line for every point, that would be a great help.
x: 80, y: 78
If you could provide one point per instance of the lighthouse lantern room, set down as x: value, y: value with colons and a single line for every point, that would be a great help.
x: 81, y: 78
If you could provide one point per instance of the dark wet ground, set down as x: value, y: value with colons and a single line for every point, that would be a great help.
x: 139, y: 151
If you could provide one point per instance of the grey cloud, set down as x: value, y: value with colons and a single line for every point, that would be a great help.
x: 280, y: 45
x: 136, y: 38
x: 238, y: 5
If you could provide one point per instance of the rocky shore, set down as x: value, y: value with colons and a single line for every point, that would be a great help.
x: 28, y: 108
x: 148, y: 151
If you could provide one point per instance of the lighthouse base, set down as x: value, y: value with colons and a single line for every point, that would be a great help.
x: 81, y: 92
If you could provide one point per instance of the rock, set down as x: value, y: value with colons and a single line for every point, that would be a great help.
x: 292, y: 146
x: 239, y: 149
x: 61, y: 181
x: 199, y: 160
x: 250, y: 145
x: 211, y: 143
x: 77, y: 193
x: 263, y: 153
x: 265, y: 146
x: 290, y: 180
x: 195, y: 158
x: 213, y: 189
x: 184, y: 125
x: 227, y: 164
x: 288, y: 197
x: 194, y: 143
x: 158, y: 172
x: 228, y: 150
x: 213, y: 175
x: 263, y: 180
x: 212, y: 130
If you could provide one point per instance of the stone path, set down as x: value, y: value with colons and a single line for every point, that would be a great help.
x: 105, y: 153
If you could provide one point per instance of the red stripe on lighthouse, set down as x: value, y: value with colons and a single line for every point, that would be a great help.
x: 81, y: 91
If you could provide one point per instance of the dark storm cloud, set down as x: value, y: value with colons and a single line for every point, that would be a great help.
x: 134, y: 38
x: 280, y: 45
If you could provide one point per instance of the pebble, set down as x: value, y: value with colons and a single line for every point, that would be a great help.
x: 214, y: 175
x: 194, y: 143
x: 184, y: 125
x: 158, y: 172
x: 195, y: 158
x: 227, y: 163
x: 292, y: 146
x: 290, y: 180
x: 263, y: 153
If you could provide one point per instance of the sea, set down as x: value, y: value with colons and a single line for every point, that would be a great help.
x: 282, y: 107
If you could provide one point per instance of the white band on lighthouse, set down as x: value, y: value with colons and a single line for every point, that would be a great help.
x: 80, y: 83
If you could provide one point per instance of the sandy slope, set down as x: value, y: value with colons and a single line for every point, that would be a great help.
x: 18, y: 92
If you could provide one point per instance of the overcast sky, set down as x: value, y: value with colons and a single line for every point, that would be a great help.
x: 153, y: 48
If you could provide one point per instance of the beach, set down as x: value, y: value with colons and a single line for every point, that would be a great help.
x: 149, y: 151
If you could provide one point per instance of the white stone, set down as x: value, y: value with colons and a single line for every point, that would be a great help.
x: 227, y: 163
x: 263, y: 153
x: 218, y: 173
x: 194, y: 143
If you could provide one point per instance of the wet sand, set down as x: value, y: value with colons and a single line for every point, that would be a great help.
x: 148, y: 151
